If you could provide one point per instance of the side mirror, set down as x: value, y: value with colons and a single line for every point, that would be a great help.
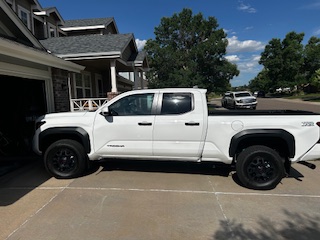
x: 105, y: 112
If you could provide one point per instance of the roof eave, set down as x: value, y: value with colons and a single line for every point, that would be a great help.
x: 15, y: 50
x: 90, y: 56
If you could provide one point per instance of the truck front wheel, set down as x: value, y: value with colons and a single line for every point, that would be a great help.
x: 65, y: 159
x: 259, y: 167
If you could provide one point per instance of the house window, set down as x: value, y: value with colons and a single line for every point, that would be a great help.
x: 83, y: 85
x: 24, y: 15
x: 52, y: 30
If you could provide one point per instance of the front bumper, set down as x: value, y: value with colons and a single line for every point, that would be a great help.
x: 246, y: 106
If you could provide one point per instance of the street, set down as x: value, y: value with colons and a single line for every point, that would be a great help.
x: 280, y: 104
x: 160, y: 200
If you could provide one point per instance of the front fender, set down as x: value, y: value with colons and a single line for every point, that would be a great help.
x: 57, y: 133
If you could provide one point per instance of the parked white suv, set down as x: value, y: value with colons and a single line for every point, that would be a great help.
x: 242, y: 99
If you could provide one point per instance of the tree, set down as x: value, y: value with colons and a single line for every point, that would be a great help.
x: 315, y: 80
x: 283, y: 60
x: 312, y: 57
x: 260, y: 82
x: 271, y: 59
x: 292, y: 55
x: 189, y: 50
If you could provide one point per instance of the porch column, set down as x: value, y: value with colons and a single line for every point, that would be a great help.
x: 141, y: 80
x: 136, y: 79
x: 113, y: 76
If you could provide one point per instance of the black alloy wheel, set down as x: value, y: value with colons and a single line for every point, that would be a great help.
x: 65, y: 159
x: 260, y: 167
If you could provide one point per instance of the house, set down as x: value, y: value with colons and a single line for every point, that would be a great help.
x: 107, y: 55
x: 48, y: 64
x: 32, y: 80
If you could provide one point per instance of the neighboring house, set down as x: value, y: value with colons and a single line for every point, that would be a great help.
x: 46, y: 63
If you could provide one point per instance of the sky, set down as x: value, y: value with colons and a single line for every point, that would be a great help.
x: 249, y: 24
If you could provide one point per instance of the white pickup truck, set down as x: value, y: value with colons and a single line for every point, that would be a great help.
x: 174, y: 124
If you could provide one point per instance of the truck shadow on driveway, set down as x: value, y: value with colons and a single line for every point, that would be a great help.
x: 28, y: 176
x: 203, y: 168
x: 167, y: 167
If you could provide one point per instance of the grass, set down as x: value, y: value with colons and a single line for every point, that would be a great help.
x: 312, y: 97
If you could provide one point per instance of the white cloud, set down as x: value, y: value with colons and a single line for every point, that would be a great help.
x: 229, y: 31
x: 248, y: 28
x: 232, y: 58
x: 246, y: 8
x: 316, y: 32
x: 235, y: 45
x: 250, y: 64
x: 140, y: 44
x: 249, y: 67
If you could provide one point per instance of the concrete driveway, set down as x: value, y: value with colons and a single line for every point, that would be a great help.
x: 157, y: 200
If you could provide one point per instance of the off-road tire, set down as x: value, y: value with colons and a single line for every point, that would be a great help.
x: 260, y: 167
x: 65, y: 159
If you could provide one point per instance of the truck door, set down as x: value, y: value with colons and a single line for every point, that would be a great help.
x: 179, y: 130
x: 128, y: 129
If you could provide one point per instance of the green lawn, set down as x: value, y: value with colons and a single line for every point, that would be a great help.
x: 313, y: 97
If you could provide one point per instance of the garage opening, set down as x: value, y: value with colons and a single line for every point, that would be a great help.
x: 22, y: 101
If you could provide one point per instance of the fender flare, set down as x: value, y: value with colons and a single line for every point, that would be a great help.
x: 254, y: 133
x: 79, y: 132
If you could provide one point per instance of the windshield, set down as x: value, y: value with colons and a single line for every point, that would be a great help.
x: 245, y: 94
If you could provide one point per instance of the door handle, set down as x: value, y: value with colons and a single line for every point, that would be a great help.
x: 145, y: 124
x: 192, y: 124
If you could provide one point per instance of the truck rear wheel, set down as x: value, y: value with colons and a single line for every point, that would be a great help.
x: 260, y: 167
x: 65, y: 159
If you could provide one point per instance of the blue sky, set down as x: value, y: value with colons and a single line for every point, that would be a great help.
x: 250, y: 24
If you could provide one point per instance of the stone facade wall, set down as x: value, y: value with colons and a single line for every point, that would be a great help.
x: 60, y: 90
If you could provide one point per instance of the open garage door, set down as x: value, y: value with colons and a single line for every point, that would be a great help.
x: 22, y: 101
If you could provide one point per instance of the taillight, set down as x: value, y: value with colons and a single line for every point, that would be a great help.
x: 318, y: 123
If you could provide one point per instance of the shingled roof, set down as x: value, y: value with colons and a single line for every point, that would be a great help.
x: 87, y: 22
x: 87, y: 44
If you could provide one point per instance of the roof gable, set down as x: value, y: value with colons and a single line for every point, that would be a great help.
x: 94, y: 23
x: 14, y: 29
x: 50, y: 11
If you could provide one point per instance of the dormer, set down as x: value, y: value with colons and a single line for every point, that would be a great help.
x: 101, y: 26
x: 52, y: 21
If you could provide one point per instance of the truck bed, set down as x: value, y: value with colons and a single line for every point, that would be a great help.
x: 258, y: 112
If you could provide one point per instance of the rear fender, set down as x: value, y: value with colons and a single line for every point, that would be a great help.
x: 261, y: 136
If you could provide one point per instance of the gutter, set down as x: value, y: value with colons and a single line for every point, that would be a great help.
x: 29, y: 54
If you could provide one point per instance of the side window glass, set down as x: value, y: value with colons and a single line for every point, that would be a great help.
x: 176, y: 103
x: 138, y: 104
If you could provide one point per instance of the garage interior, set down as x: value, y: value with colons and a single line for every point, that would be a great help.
x: 23, y: 101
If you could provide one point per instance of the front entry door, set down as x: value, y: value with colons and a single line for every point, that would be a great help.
x: 128, y: 131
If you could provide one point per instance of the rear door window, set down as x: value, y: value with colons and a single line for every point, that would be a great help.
x: 176, y: 103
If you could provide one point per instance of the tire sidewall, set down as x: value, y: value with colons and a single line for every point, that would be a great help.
x: 246, y: 157
x: 78, y: 151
